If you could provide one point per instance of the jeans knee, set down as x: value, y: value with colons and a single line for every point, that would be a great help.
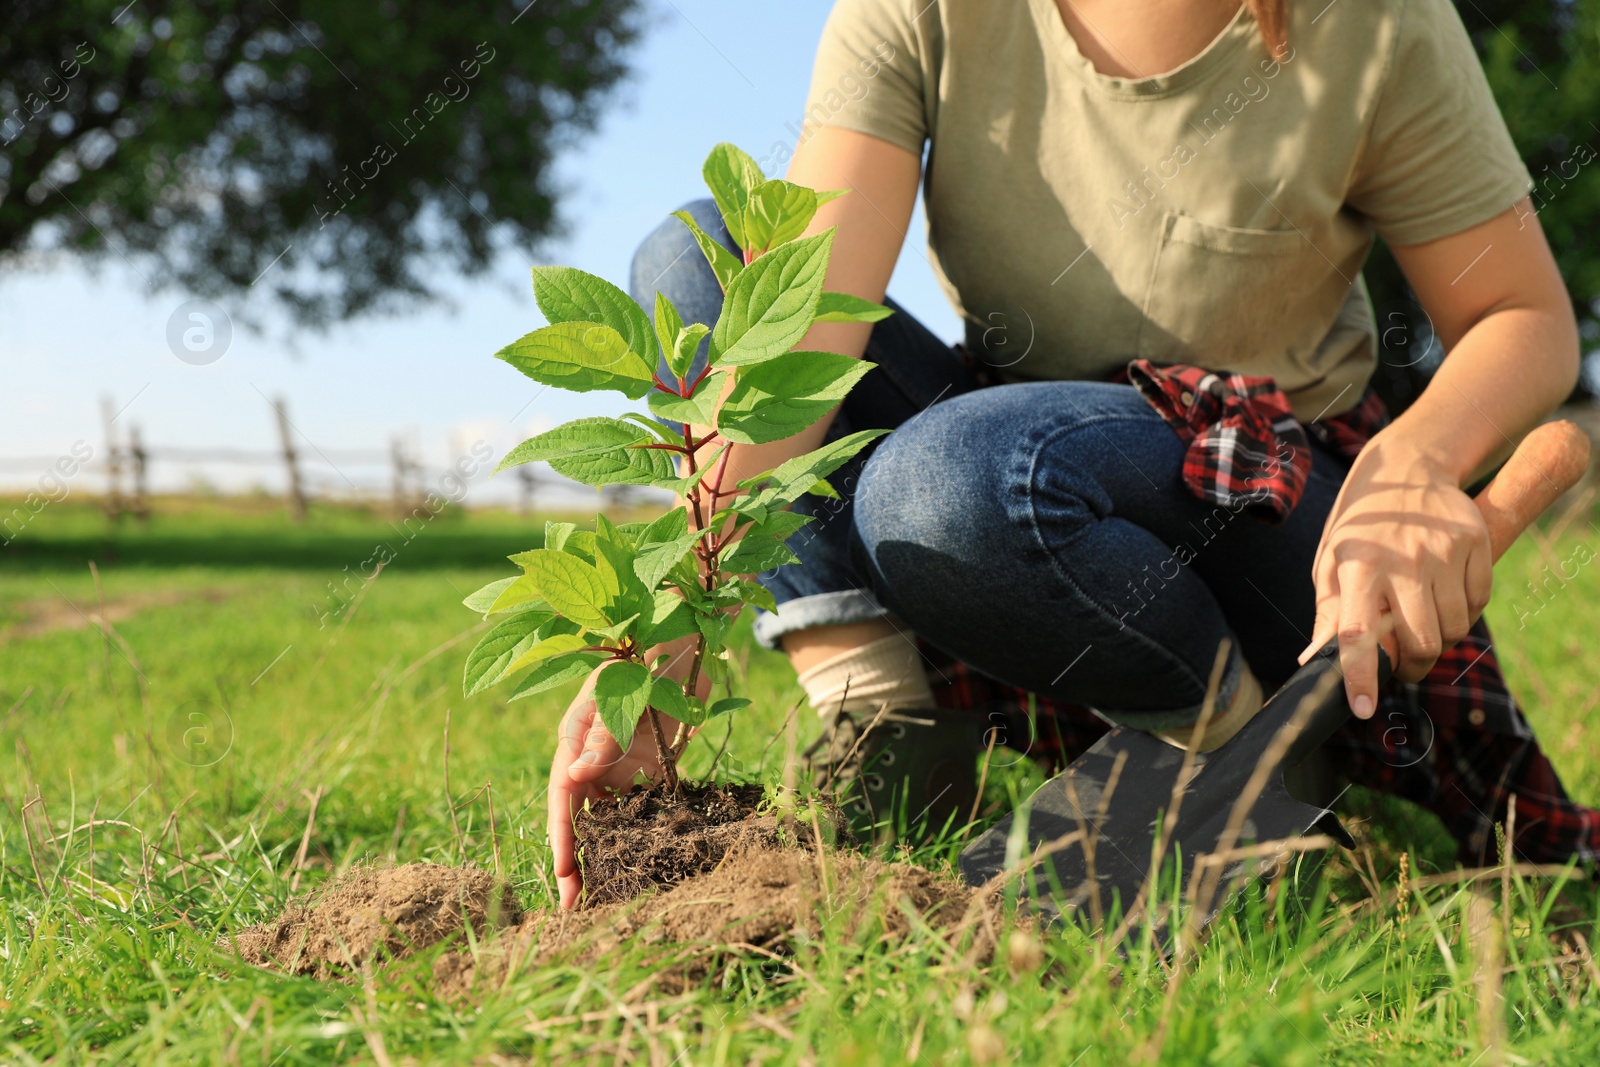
x: 910, y: 489
x: 668, y: 260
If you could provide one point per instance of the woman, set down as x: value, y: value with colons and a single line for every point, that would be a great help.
x: 1169, y: 182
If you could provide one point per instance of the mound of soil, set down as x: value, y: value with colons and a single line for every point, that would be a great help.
x: 648, y: 837
x: 698, y: 876
x: 375, y: 913
x: 758, y: 898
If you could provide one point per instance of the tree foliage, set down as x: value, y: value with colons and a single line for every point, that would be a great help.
x: 370, y: 146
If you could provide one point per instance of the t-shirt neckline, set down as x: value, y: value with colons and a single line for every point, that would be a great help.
x: 1238, y: 31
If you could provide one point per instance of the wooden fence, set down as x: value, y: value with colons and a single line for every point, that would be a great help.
x: 125, y: 459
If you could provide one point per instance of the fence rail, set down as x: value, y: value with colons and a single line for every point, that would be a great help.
x: 125, y: 461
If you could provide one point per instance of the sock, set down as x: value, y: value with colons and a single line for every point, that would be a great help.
x: 886, y: 673
x: 1247, y: 700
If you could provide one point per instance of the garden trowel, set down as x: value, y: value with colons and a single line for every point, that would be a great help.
x: 1085, y: 844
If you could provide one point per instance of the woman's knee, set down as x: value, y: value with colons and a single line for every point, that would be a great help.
x: 924, y: 487
x: 668, y: 260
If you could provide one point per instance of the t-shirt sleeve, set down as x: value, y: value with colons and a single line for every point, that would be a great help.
x: 1438, y: 157
x: 868, y: 74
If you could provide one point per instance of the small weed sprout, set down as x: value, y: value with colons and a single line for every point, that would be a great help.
x: 607, y: 596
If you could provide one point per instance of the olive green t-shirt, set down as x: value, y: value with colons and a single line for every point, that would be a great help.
x: 1217, y: 214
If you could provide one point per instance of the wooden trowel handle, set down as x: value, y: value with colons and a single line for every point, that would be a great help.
x: 1547, y: 463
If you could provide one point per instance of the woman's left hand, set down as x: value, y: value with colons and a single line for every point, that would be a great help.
x: 1405, y: 561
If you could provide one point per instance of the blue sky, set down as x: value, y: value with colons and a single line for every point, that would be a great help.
x: 705, y: 71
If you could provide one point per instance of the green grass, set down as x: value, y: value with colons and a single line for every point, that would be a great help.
x: 106, y: 937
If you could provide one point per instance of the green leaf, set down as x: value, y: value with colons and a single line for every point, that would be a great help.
x: 669, y: 526
x: 724, y: 264
x: 772, y: 303
x: 483, y: 598
x: 553, y: 672
x: 779, y: 524
x: 726, y: 705
x: 597, y: 451
x: 621, y: 693
x: 671, y: 617
x: 614, y: 634
x: 581, y: 356
x: 566, y: 294
x: 492, y: 657
x: 697, y: 409
x: 828, y: 196
x: 777, y: 211
x: 685, y: 347
x: 755, y: 553
x: 842, y: 307
x: 785, y: 394
x: 626, y: 595
x: 666, y: 696
x: 556, y: 533
x: 667, y: 324
x: 654, y: 561
x: 611, y: 533
x: 694, y: 711
x: 658, y: 431
x: 754, y: 593
x: 520, y: 595
x: 572, y: 587
x: 792, y: 479
x: 554, y: 645
x: 823, y: 487
x: 732, y: 175
x: 714, y: 628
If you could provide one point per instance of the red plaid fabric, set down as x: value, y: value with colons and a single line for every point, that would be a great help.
x: 1244, y: 442
x: 1455, y: 743
x: 1246, y: 451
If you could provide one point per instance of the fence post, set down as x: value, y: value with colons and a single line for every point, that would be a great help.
x: 114, y: 506
x: 397, y: 455
x: 141, y: 506
x: 525, y: 476
x: 297, y: 495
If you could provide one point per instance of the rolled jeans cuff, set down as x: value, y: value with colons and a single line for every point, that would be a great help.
x: 816, y: 609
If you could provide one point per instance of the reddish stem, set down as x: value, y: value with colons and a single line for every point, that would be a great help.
x: 669, y: 770
x: 715, y: 481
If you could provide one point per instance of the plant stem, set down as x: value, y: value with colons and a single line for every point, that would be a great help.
x: 693, y: 494
x: 669, y: 769
x: 715, y: 482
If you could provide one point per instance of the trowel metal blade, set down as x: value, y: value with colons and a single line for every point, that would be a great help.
x: 1116, y: 795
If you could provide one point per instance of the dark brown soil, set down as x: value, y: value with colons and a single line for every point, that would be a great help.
x: 697, y: 878
x: 377, y: 913
x: 647, y: 837
x: 758, y: 900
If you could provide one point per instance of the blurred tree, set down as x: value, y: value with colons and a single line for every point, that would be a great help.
x: 1542, y: 58
x: 342, y: 154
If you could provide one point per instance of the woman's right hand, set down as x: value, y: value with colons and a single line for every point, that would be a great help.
x: 589, y: 764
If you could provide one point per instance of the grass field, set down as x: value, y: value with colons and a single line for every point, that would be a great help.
x: 161, y: 784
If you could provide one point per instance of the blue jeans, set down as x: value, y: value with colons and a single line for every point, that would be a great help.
x: 1040, y: 532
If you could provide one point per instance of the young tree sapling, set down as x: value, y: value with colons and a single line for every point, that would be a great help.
x: 608, y: 596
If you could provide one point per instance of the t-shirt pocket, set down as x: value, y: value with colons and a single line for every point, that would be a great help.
x: 1230, y: 298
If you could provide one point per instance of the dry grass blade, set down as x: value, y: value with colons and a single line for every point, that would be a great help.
x: 1204, y: 887
x: 1158, y: 852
